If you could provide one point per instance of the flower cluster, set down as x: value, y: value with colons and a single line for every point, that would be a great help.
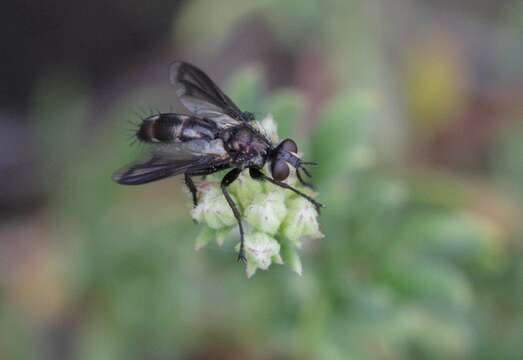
x: 275, y: 220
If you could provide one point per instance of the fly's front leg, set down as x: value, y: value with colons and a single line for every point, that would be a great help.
x: 192, y: 188
x: 257, y: 174
x: 303, y: 182
x: 227, y: 180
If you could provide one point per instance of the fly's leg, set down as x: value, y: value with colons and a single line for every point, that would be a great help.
x: 227, y: 180
x: 258, y: 175
x: 190, y: 184
x: 303, y: 182
x: 192, y: 188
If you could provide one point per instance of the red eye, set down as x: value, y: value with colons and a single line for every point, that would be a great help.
x: 289, y: 145
x: 280, y: 170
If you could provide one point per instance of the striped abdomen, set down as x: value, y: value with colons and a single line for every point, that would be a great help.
x: 169, y: 127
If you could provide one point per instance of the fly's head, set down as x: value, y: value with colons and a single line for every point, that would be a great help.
x: 285, y: 154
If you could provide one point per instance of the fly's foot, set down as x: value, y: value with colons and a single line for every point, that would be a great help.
x: 317, y: 205
x: 241, y: 257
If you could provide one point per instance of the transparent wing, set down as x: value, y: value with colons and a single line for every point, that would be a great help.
x: 197, y: 156
x: 200, y: 95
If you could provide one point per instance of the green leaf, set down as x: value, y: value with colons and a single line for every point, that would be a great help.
x: 341, y: 140
x: 245, y: 88
x: 460, y: 236
x: 426, y: 280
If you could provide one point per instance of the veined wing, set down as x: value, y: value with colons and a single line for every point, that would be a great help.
x: 201, y: 96
x: 198, y: 156
x: 157, y: 168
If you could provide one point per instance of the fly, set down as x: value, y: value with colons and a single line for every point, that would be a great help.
x: 216, y: 136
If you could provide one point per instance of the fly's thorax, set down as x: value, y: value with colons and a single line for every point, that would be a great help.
x: 170, y: 127
x: 246, y: 146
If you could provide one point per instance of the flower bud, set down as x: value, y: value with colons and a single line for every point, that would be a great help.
x: 267, y: 211
x: 213, y: 209
x: 260, y: 248
x: 245, y: 189
x: 301, y: 221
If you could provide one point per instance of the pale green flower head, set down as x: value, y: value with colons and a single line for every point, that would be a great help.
x: 275, y: 219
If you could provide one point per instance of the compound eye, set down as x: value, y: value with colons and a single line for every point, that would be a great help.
x: 289, y: 146
x: 280, y: 170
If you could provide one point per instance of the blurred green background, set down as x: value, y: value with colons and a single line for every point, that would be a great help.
x: 412, y: 108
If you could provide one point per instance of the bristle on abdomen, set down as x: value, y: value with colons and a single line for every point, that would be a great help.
x: 170, y: 127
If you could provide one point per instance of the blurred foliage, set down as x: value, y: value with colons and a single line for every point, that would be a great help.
x: 394, y: 276
x: 412, y: 265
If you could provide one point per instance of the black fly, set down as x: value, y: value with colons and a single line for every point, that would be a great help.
x: 217, y: 136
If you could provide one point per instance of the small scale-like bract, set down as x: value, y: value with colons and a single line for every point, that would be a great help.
x: 275, y: 219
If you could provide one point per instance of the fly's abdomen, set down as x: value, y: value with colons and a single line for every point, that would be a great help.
x: 169, y: 127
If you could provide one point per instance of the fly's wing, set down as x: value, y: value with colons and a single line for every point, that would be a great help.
x: 201, y: 96
x: 157, y: 168
x: 174, y: 159
x: 153, y: 169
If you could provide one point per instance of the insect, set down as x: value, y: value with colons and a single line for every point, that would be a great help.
x: 216, y: 136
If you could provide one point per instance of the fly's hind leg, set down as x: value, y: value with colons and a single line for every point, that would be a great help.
x: 227, y: 180
x: 192, y: 188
